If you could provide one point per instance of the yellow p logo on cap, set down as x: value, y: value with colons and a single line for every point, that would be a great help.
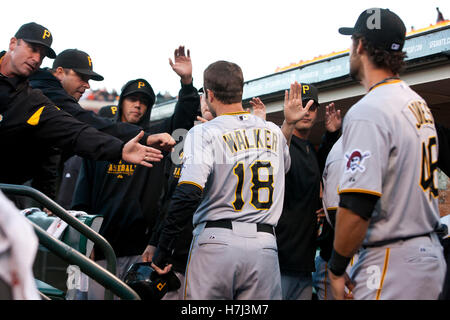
x: 141, y: 84
x: 46, y: 34
x: 90, y: 61
x: 305, y: 88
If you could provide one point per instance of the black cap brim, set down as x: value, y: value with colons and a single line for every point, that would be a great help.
x: 93, y: 75
x: 346, y: 31
x: 50, y: 53
x: 152, y: 99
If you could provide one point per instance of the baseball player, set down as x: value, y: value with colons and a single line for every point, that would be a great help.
x: 332, y: 172
x: 237, y: 162
x: 388, y: 188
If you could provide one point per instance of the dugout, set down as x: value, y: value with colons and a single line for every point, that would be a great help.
x: 427, y: 72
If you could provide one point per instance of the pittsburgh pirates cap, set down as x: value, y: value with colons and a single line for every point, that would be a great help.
x: 77, y: 60
x: 309, y: 92
x: 138, y: 86
x: 35, y: 33
x: 381, y: 27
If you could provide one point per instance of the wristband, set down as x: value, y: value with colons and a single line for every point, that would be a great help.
x: 338, y: 263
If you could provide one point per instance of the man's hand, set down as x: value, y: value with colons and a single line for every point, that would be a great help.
x: 333, y: 119
x: 202, y: 120
x: 259, y: 109
x: 293, y: 106
x: 338, y: 284
x: 293, y: 110
x: 149, y: 251
x: 320, y: 214
x: 160, y: 271
x: 182, y: 65
x: 134, y: 152
x: 161, y: 141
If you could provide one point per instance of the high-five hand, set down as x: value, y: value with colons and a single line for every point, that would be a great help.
x: 293, y: 106
x: 134, y: 152
x: 182, y: 65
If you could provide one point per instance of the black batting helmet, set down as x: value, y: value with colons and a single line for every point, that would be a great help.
x: 148, y: 284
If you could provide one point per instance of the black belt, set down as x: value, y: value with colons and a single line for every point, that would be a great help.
x: 260, y: 227
x: 386, y: 242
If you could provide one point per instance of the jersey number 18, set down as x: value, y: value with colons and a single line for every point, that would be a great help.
x: 257, y: 184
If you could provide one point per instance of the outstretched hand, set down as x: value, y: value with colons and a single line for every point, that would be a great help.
x: 162, y: 141
x: 134, y: 152
x: 333, y: 119
x: 182, y: 65
x: 259, y: 109
x: 293, y: 106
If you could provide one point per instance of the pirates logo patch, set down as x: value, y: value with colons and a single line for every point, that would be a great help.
x: 355, y: 160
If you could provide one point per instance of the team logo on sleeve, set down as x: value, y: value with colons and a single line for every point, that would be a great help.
x: 355, y: 160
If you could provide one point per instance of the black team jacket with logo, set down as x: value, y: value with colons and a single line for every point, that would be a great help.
x: 127, y: 195
x: 31, y: 126
x: 297, y: 228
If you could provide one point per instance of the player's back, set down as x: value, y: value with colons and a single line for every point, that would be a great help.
x: 404, y: 151
x: 240, y: 160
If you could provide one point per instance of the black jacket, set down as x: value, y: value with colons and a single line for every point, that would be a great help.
x: 44, y: 80
x: 31, y: 126
x: 297, y: 228
x: 127, y: 195
x: 182, y: 244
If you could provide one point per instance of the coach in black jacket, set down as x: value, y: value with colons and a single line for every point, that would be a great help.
x: 30, y: 124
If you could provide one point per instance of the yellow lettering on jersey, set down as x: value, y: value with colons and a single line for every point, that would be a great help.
x: 46, y: 34
x: 230, y: 142
x: 421, y: 112
x: 274, y: 142
x: 267, y: 134
x: 256, y: 135
x: 34, y: 119
x: 249, y: 145
x: 240, y: 141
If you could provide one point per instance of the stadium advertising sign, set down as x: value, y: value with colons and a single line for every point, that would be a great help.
x: 338, y: 66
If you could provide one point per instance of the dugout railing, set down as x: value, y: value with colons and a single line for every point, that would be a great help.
x: 105, y: 277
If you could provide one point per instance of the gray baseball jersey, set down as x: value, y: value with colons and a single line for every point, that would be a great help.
x: 391, y: 150
x: 239, y: 160
x: 332, y: 173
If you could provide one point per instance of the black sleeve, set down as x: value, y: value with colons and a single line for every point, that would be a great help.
x: 64, y: 131
x: 444, y: 148
x: 121, y: 130
x: 328, y: 140
x: 360, y: 203
x: 183, y: 204
x: 45, y: 179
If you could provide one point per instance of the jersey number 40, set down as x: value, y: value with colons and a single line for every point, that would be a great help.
x: 429, y: 166
x: 257, y: 185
